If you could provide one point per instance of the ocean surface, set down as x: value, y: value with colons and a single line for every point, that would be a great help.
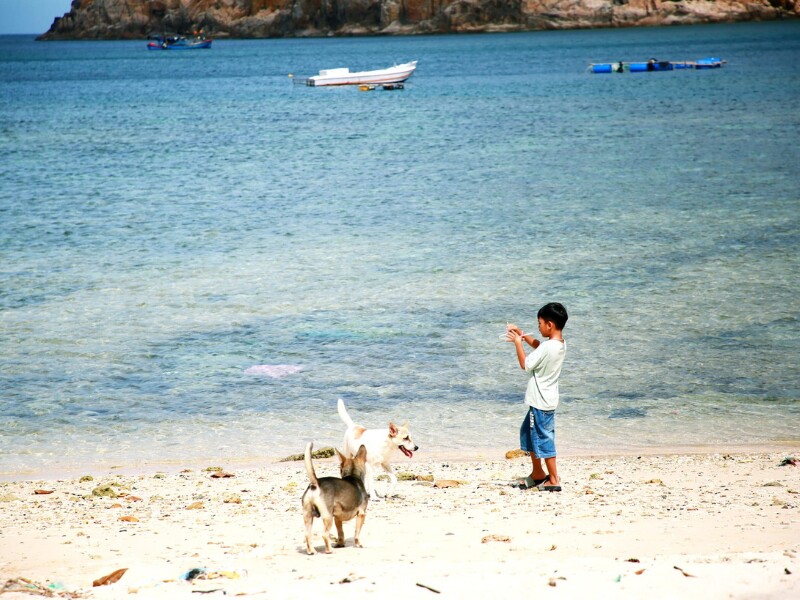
x: 199, y: 257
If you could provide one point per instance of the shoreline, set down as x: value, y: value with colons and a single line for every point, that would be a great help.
x: 710, y: 525
x: 140, y: 467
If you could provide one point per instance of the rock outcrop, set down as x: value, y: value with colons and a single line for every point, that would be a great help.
x: 127, y: 19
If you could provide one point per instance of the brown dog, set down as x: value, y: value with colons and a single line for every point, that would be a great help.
x: 336, y: 500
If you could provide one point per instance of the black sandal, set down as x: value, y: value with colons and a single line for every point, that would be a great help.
x: 530, y: 483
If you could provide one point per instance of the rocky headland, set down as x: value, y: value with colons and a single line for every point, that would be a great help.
x: 135, y: 19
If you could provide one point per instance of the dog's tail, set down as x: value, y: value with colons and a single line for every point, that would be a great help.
x: 343, y: 414
x: 312, y: 476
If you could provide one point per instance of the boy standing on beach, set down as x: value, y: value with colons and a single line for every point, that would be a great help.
x: 537, y: 434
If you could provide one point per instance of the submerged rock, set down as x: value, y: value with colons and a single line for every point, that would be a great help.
x: 321, y: 453
x: 628, y: 413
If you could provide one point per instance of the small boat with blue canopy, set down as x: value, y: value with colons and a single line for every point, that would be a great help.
x: 178, y: 42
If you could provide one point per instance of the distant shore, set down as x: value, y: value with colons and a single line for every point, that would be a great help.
x: 132, y: 19
x: 718, y: 524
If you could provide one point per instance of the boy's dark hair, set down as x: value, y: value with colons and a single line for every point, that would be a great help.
x: 555, y: 312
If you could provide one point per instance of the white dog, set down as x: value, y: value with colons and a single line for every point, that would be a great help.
x: 380, y: 445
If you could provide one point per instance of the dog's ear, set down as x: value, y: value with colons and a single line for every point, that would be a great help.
x: 362, y: 453
x: 341, y: 456
x: 392, y: 429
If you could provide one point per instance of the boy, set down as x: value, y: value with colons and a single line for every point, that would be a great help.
x: 537, y: 434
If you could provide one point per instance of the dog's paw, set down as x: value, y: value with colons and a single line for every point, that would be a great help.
x: 311, y: 551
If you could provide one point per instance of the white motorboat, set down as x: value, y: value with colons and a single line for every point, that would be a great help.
x: 395, y: 74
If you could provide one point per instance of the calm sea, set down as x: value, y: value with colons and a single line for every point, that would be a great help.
x: 198, y: 258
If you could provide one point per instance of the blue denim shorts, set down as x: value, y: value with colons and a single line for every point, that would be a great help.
x: 538, y: 433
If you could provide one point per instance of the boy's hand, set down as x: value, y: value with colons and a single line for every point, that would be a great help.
x: 513, y: 332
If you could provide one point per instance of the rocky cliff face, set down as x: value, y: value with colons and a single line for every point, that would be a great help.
x: 125, y: 19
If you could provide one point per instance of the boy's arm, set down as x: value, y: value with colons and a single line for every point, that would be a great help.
x: 524, y: 360
x: 515, y: 336
x: 531, y: 341
x: 517, y: 339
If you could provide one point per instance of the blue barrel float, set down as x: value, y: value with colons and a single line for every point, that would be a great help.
x: 655, y: 65
x: 708, y: 63
x: 651, y: 65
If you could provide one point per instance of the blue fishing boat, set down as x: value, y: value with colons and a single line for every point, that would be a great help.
x: 655, y: 65
x: 178, y: 42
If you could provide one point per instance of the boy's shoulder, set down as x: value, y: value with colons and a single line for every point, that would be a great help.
x: 551, y: 345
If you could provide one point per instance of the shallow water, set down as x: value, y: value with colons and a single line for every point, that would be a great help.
x: 170, y: 220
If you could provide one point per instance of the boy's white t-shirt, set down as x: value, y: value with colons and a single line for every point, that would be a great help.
x: 544, y: 367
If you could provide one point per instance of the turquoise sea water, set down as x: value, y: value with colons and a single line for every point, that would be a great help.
x: 170, y: 220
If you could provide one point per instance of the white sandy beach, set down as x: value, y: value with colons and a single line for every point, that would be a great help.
x: 678, y: 526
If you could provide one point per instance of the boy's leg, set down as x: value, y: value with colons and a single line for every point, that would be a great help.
x: 538, y: 472
x: 543, y: 433
x: 526, y: 445
x: 552, y: 471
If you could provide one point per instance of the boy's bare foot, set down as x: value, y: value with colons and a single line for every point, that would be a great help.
x: 550, y: 486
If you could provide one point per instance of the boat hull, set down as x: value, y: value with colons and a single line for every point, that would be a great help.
x: 180, y: 46
x: 396, y: 74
